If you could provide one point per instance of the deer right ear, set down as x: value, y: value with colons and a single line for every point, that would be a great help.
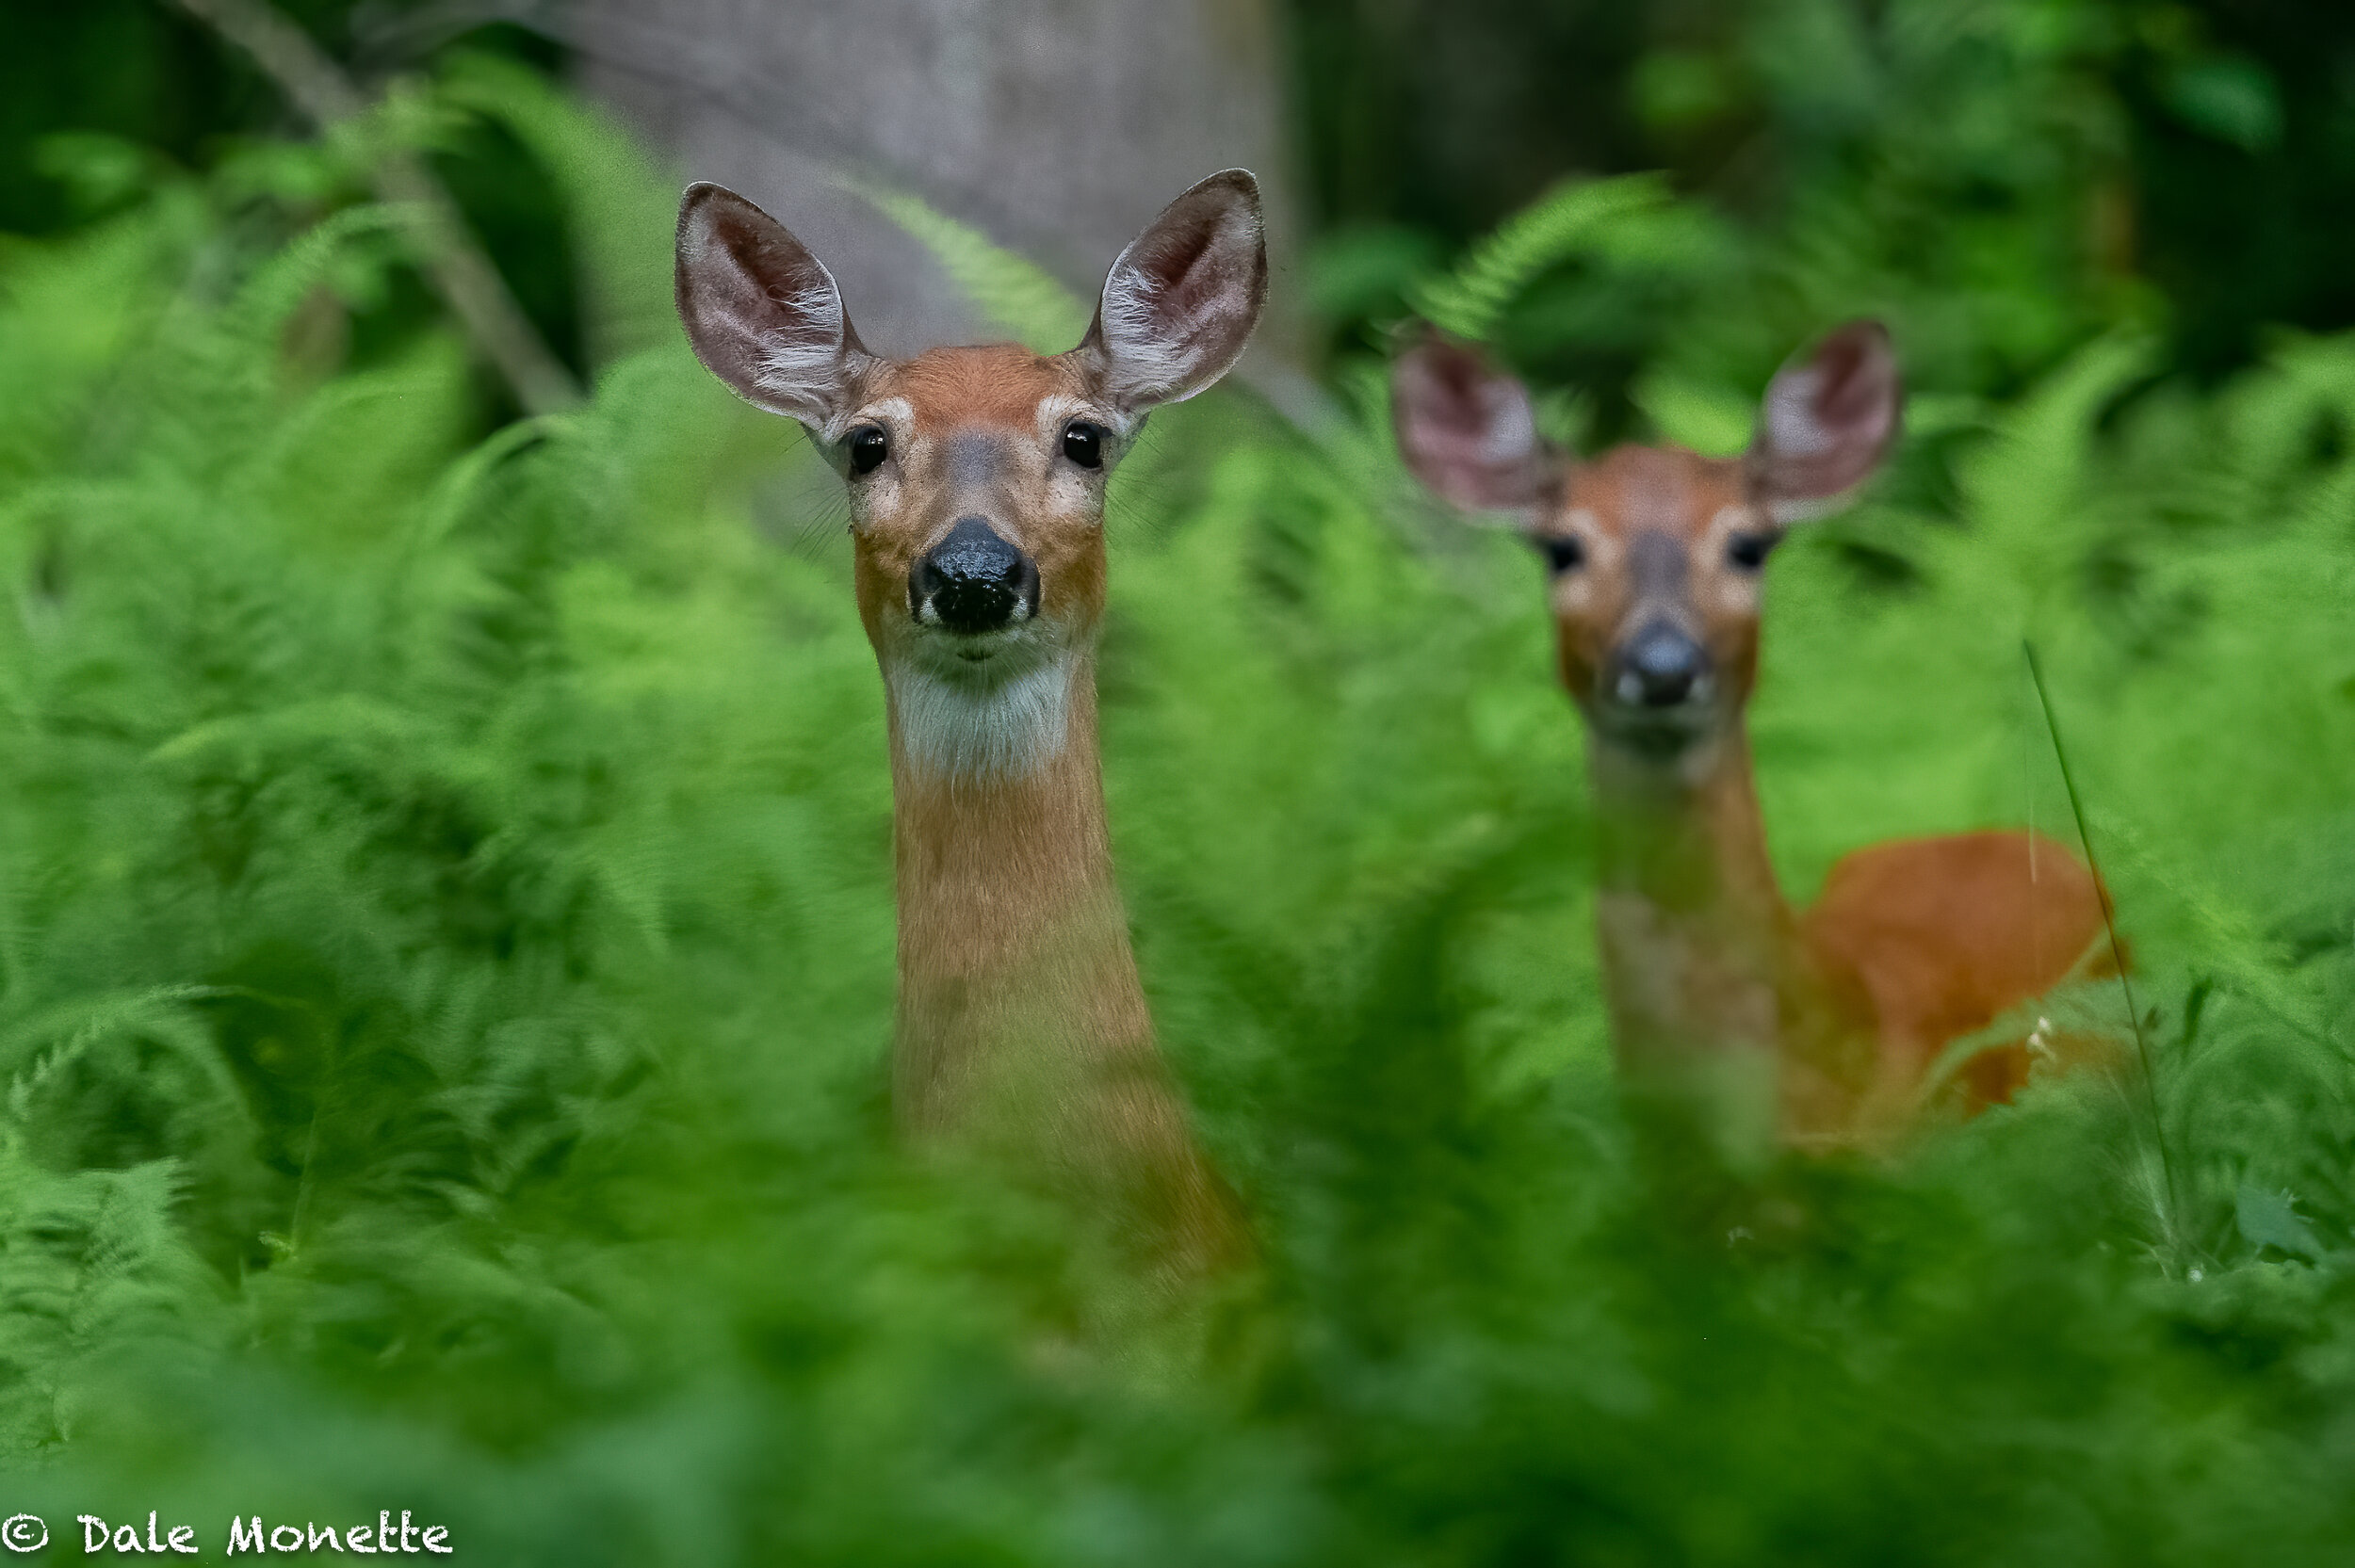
x: 1829, y: 420
x: 1467, y: 432
x: 762, y: 313
x: 1181, y: 302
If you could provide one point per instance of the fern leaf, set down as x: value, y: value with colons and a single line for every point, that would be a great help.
x: 1575, y: 219
x: 278, y: 286
x: 1011, y: 291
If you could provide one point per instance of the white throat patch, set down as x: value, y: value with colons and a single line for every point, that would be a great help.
x: 980, y: 726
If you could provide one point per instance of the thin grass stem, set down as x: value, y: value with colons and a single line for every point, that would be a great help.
x: 2117, y: 948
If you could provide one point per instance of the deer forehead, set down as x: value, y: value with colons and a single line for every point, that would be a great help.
x: 1633, y: 490
x: 1001, y: 387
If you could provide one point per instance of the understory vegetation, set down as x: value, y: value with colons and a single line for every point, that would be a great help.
x: 445, y: 940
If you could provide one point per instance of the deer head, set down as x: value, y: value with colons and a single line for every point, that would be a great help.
x: 1654, y: 554
x: 976, y: 475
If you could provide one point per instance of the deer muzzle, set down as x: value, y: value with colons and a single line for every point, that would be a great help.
x: 973, y: 582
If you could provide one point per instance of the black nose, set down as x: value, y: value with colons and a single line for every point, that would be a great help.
x: 1661, y: 667
x: 973, y: 580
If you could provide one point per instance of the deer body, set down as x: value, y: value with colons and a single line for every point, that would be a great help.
x: 1712, y: 978
x: 977, y: 479
x: 1944, y: 935
x: 1845, y: 1005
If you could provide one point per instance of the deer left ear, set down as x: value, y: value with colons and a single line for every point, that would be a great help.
x: 1181, y: 300
x: 1469, y: 432
x: 761, y: 312
x: 1829, y: 421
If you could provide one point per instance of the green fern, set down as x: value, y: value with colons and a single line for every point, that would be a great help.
x: 446, y: 957
x: 1576, y: 218
x: 1013, y: 294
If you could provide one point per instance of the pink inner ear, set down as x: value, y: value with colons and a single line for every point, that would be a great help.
x: 1448, y: 401
x: 1182, y: 285
x: 1855, y: 399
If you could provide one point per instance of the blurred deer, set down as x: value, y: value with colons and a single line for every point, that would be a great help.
x: 1655, y: 557
x: 977, y: 479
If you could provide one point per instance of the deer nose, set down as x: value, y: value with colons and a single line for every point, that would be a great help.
x: 1660, y: 668
x: 973, y: 581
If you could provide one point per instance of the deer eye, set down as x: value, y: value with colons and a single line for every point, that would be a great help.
x: 869, y: 446
x: 1083, y: 443
x: 1562, y: 554
x: 1748, y: 552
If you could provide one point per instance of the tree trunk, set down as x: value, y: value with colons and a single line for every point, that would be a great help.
x: 1058, y: 128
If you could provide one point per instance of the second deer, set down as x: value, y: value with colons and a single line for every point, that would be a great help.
x: 1655, y: 557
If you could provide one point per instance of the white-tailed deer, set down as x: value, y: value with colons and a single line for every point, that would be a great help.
x: 1655, y: 557
x: 976, y: 477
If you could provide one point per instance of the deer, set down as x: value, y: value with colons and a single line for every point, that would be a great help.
x: 1833, y: 1019
x: 977, y: 479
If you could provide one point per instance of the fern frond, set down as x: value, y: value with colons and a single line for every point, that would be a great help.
x: 1575, y: 219
x: 278, y: 284
x: 1013, y: 293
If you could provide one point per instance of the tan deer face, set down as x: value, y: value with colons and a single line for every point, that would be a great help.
x: 1654, y: 554
x: 976, y: 475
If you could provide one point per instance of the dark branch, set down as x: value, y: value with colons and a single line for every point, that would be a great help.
x: 455, y: 265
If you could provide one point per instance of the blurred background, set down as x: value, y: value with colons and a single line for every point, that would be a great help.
x: 446, y: 947
x: 2180, y: 159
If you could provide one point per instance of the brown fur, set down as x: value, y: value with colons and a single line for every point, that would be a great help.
x: 1944, y: 935
x: 992, y: 383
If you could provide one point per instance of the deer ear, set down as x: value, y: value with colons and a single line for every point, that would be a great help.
x: 1827, y: 422
x: 1469, y: 432
x: 1181, y: 300
x: 763, y: 313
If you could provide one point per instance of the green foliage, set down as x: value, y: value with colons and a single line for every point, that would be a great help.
x: 1960, y: 167
x: 446, y: 964
x: 1577, y: 219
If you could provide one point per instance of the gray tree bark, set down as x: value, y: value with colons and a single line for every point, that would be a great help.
x: 1058, y: 128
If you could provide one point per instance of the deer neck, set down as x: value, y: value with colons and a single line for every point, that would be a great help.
x: 1020, y: 1016
x: 1022, y: 1024
x: 1014, y: 950
x: 1700, y: 955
